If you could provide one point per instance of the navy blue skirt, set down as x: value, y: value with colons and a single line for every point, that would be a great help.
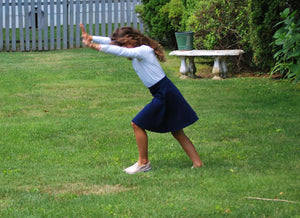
x: 167, y: 112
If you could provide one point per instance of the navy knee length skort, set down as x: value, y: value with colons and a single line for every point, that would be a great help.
x: 167, y: 112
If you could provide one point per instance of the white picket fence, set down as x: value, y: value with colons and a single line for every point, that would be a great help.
x: 39, y: 25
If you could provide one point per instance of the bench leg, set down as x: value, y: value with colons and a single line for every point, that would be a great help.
x: 224, y: 69
x: 219, y: 69
x: 192, y: 67
x: 183, y: 68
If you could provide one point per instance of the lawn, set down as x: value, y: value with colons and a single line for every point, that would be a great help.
x: 65, y: 138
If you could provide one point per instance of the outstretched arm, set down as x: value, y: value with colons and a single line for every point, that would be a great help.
x: 87, y: 39
x: 84, y: 34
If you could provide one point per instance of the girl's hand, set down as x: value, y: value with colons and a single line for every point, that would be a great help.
x: 86, y: 37
x: 86, y: 42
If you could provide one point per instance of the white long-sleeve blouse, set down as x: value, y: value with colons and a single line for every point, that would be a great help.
x: 144, y: 61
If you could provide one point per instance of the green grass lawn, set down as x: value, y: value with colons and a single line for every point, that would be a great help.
x: 65, y: 138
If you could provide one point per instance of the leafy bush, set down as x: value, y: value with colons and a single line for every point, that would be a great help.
x: 265, y: 14
x: 157, y: 23
x: 174, y: 10
x: 219, y: 24
x: 288, y: 39
x: 165, y: 17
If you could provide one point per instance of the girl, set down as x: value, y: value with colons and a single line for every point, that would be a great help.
x: 168, y: 111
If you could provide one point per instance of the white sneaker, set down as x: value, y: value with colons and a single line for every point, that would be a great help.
x: 136, y: 168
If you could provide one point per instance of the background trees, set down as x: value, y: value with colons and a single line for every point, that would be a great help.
x: 221, y: 24
x: 263, y: 17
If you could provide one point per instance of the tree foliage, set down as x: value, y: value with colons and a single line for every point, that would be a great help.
x: 158, y: 24
x: 263, y: 17
x: 287, y: 38
x: 220, y: 24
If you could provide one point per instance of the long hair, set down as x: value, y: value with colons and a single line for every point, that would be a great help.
x: 128, y: 35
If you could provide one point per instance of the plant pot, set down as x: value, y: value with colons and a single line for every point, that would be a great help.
x: 185, y: 40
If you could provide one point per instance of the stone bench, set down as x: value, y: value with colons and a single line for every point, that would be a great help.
x: 219, y: 69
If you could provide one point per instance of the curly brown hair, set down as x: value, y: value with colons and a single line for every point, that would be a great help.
x: 128, y: 35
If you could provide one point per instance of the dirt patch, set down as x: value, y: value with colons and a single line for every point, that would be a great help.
x: 84, y: 189
x: 77, y: 189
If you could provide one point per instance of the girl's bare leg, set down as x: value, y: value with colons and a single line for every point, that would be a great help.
x: 188, y: 147
x: 142, y: 143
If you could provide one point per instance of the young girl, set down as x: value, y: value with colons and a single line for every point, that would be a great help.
x: 168, y: 111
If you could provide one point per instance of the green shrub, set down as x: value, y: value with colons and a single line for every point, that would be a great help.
x: 219, y: 24
x: 165, y: 17
x: 174, y: 10
x: 288, y: 39
x: 263, y: 17
x: 158, y: 25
